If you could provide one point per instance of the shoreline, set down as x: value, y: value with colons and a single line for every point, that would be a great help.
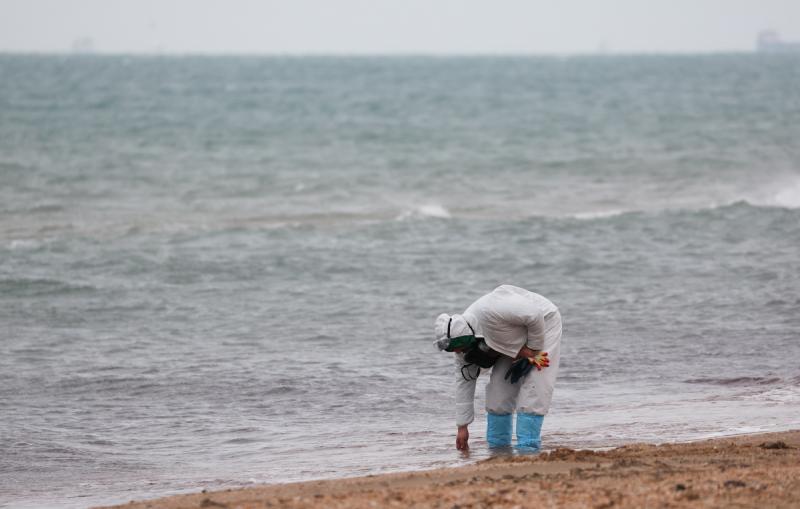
x: 750, y: 470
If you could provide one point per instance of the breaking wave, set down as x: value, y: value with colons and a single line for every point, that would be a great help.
x: 776, y: 193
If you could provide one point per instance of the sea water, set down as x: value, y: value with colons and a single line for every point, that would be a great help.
x: 223, y: 271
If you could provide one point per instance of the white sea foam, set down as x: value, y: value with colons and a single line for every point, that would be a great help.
x: 599, y: 214
x: 433, y: 210
x: 23, y: 244
x: 781, y: 193
x: 428, y: 210
x: 785, y: 394
x: 789, y: 196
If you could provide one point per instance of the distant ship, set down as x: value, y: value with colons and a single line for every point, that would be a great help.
x: 769, y: 41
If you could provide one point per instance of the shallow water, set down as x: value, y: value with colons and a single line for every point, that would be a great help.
x: 218, y: 271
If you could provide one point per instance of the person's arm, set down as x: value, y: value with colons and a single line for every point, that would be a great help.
x: 518, y: 311
x: 462, y: 438
x: 526, y: 352
x: 466, y: 376
x: 534, y: 322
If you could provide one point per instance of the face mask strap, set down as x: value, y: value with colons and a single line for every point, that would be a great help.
x: 465, y: 321
x: 470, y: 377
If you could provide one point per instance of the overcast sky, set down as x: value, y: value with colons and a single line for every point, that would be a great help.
x: 393, y: 26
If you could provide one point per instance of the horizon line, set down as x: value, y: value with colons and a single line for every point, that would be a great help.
x: 356, y: 54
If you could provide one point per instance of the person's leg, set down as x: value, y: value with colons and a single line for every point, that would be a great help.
x: 533, y: 404
x: 529, y: 432
x: 501, y: 399
x: 536, y: 392
x: 498, y: 429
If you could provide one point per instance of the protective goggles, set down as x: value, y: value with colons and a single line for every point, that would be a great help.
x: 460, y: 342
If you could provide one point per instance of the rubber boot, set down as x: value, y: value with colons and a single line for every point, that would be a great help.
x: 529, y: 432
x: 498, y: 430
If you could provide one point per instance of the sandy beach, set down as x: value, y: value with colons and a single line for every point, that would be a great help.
x: 760, y: 470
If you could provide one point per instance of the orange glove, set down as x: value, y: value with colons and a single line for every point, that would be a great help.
x: 540, y: 360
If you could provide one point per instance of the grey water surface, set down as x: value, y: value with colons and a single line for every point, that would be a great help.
x: 224, y: 271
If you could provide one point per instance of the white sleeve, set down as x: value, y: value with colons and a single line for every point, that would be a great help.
x: 509, y: 311
x: 536, y: 328
x: 466, y: 377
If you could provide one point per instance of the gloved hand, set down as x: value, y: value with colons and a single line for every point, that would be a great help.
x: 540, y: 360
x: 523, y: 366
x: 518, y: 370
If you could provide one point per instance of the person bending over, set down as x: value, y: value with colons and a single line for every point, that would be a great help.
x: 517, y: 334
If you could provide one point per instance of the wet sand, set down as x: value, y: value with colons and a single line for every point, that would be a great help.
x: 746, y: 471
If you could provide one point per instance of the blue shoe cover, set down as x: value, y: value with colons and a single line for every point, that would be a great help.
x: 498, y: 430
x: 529, y: 432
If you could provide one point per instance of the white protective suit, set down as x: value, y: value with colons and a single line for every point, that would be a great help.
x: 509, y: 318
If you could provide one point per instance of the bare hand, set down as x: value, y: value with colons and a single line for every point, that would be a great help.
x: 462, y: 438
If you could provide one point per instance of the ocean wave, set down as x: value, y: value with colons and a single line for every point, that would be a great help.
x: 438, y: 211
x: 39, y: 233
x: 7, y: 166
x: 782, y: 394
x: 34, y: 287
x: 280, y: 390
x: 433, y: 210
x: 599, y: 214
x: 782, y: 193
x: 102, y: 383
x: 46, y: 208
x: 24, y: 244
x: 735, y: 381
x: 738, y: 204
